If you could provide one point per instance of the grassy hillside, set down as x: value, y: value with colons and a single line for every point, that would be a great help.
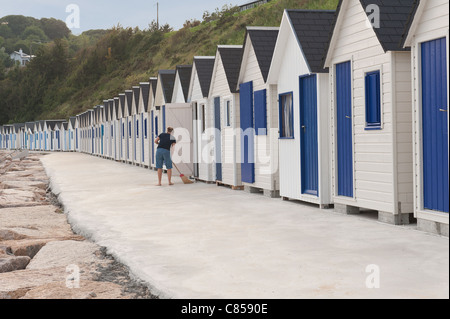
x: 61, y: 82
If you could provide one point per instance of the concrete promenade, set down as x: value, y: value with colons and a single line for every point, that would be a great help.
x: 204, y: 241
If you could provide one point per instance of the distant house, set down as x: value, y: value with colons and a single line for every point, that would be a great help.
x: 252, y: 4
x: 21, y: 57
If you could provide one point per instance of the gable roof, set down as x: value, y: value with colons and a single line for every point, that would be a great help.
x: 106, y: 109
x: 184, y: 72
x: 231, y: 59
x: 116, y: 106
x: 122, y: 98
x: 395, y: 20
x: 73, y: 120
x: 394, y: 17
x: 204, y: 67
x: 263, y: 41
x: 167, y: 78
x: 145, y: 89
x: 136, y: 97
x: 129, y: 96
x: 312, y: 29
x: 154, y: 84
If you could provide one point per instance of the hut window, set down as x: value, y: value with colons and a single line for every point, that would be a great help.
x: 260, y: 100
x: 145, y: 128
x: 112, y: 131
x: 373, y: 100
x: 137, y: 128
x: 203, y: 118
x: 286, y: 116
x: 228, y: 114
x: 123, y: 130
x: 129, y: 129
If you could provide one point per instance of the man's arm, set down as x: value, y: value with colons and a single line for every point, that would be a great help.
x: 157, y: 140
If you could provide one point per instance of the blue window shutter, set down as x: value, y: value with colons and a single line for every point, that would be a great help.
x: 261, y: 112
x: 164, y: 119
x: 248, y: 134
x: 373, y: 100
x: 145, y: 128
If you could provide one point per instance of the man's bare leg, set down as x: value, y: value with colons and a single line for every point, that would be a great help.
x: 169, y: 176
x: 160, y: 172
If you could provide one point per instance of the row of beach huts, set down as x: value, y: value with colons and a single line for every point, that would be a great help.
x: 346, y: 108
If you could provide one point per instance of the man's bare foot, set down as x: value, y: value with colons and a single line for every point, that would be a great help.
x: 158, y: 185
x: 171, y: 184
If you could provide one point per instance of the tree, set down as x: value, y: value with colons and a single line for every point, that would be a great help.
x: 34, y: 33
x: 5, y: 31
x: 55, y: 29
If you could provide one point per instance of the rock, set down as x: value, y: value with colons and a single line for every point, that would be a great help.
x: 13, y: 283
x: 5, y: 250
x: 36, y: 222
x: 64, y: 254
x: 12, y: 263
x: 30, y: 247
x: 87, y: 290
x: 6, y: 234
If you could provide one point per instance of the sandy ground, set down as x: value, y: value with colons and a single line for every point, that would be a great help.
x: 40, y: 256
x: 204, y: 241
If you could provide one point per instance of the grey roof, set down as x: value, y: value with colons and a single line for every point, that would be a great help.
x: 65, y: 125
x: 167, y: 82
x: 122, y: 98
x: 184, y: 72
x: 145, y: 88
x: 137, y: 93
x: 313, y: 28
x: 116, y: 105
x: 29, y: 126
x: 52, y: 124
x: 106, y: 109
x: 129, y: 96
x: 154, y: 84
x: 263, y: 42
x: 204, y: 67
x: 231, y: 60
x: 394, y: 18
x: 73, y: 121
x: 111, y: 109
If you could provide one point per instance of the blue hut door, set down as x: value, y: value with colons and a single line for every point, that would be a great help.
x: 218, y: 138
x: 344, y: 129
x: 103, y: 135
x: 435, y: 125
x: 153, y: 137
x: 248, y: 136
x: 308, y: 135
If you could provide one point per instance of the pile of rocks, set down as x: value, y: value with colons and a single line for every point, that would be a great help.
x: 40, y: 256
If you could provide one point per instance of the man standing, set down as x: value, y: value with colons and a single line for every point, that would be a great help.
x: 165, y: 142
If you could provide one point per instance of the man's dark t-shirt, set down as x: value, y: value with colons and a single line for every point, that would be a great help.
x: 166, y: 140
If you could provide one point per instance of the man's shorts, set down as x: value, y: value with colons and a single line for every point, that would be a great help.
x: 163, y: 157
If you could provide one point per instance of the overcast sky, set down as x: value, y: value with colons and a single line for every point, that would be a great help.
x: 104, y: 14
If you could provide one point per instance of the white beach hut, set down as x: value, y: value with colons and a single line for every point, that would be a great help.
x: 259, y: 113
x: 199, y: 85
x: 428, y: 36
x: 224, y: 101
x: 181, y: 85
x: 143, y: 156
x: 303, y: 106
x: 371, y: 109
x: 152, y: 118
x: 137, y: 126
